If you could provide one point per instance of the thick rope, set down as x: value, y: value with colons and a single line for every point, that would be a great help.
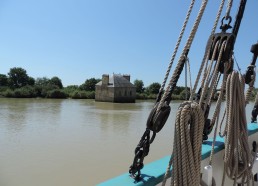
x: 211, y: 79
x: 177, y: 45
x: 186, y: 156
x: 238, y: 159
x: 190, y: 77
x: 207, y: 50
x: 182, y: 57
x: 229, y: 6
x: 216, y: 117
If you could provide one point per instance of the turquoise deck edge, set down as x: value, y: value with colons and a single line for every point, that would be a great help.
x: 153, y: 172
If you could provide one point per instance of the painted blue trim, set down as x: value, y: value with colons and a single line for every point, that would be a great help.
x: 153, y: 172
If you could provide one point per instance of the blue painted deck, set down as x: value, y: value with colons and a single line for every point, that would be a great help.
x: 153, y: 172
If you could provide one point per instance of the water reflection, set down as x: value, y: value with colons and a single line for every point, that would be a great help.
x: 14, y: 114
x: 119, y: 117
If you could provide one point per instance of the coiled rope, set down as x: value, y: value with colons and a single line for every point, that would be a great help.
x: 187, y: 146
x: 238, y: 159
x: 186, y: 156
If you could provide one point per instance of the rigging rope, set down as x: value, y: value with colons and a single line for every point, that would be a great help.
x: 173, y: 81
x: 176, y: 47
x: 186, y: 157
x: 229, y: 6
x: 207, y: 50
x: 238, y: 159
x: 142, y: 148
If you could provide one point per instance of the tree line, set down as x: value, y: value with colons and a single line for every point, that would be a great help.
x: 151, y: 91
x: 18, y: 84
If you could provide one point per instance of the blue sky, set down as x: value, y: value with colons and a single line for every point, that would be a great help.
x: 80, y: 39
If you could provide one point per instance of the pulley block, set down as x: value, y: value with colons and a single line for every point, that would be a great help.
x: 221, y: 37
x: 157, y: 119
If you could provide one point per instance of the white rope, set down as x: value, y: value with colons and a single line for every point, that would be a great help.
x: 207, y: 50
x: 229, y: 6
x: 238, y: 159
x: 211, y: 80
x: 190, y: 77
x: 217, y: 113
x: 177, y: 45
x: 186, y: 47
x: 186, y: 156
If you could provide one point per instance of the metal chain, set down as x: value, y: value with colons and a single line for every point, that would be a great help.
x: 140, y: 152
x: 142, y: 148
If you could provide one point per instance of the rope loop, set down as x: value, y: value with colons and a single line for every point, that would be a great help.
x: 238, y: 159
x: 186, y: 156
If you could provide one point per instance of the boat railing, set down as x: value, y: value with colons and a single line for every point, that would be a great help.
x: 153, y: 173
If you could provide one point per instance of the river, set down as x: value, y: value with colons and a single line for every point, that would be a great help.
x: 51, y: 142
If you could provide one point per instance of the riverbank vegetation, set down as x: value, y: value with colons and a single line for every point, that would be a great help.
x: 18, y: 84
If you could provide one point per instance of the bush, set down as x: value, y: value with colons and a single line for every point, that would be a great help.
x: 3, y: 88
x: 57, y: 93
x: 8, y: 93
x: 183, y: 95
x: 43, y: 90
x: 69, y: 90
x: 141, y: 96
x: 83, y: 95
x: 152, y: 96
x: 24, y: 92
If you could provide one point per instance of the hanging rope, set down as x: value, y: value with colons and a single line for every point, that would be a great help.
x: 186, y: 157
x: 216, y: 116
x: 238, y: 159
x: 173, y: 81
x: 155, y: 124
x: 176, y: 48
x: 214, y: 64
x: 229, y: 6
x: 207, y: 50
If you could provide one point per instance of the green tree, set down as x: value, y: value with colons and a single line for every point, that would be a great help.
x: 69, y: 90
x: 56, y: 81
x: 3, y: 80
x: 43, y: 86
x: 42, y: 81
x: 178, y: 90
x: 31, y: 81
x: 18, y: 77
x: 153, y: 88
x: 89, y: 84
x: 56, y: 93
x: 185, y: 94
x: 139, y: 86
